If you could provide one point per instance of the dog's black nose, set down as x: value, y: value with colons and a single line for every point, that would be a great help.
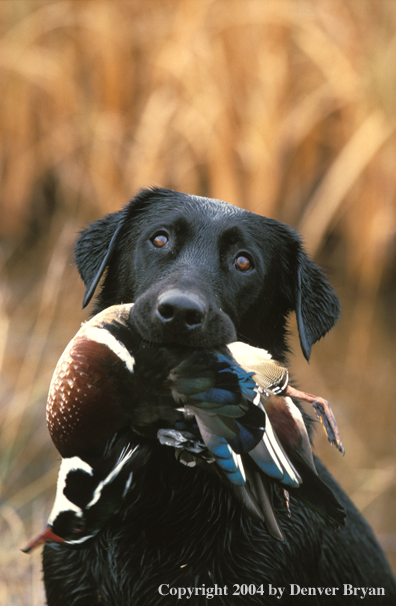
x: 181, y: 310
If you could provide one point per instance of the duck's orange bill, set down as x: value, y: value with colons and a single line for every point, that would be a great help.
x: 43, y: 537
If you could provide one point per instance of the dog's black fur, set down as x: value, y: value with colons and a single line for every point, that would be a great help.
x: 183, y: 528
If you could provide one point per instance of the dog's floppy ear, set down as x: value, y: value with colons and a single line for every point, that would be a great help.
x: 317, y: 307
x: 95, y: 247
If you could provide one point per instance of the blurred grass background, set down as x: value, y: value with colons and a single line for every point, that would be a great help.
x: 284, y: 107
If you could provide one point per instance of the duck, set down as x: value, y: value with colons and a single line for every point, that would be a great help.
x: 214, y: 408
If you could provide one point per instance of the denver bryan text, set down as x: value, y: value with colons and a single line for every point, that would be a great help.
x: 347, y: 589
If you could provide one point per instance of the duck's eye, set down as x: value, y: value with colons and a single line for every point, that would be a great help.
x: 160, y: 240
x: 243, y: 263
x: 79, y: 527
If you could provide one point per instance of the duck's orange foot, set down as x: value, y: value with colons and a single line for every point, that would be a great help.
x: 329, y: 424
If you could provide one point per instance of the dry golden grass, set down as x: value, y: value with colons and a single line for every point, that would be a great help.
x: 284, y: 107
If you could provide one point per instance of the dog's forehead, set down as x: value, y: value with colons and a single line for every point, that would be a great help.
x: 195, y: 209
x: 214, y: 208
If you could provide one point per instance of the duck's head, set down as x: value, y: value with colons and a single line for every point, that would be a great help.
x: 88, y: 494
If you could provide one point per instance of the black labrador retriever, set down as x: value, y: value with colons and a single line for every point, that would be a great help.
x: 204, y: 273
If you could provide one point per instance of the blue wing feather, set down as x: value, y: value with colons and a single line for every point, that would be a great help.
x: 221, y: 395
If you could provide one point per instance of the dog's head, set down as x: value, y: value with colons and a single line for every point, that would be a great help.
x: 203, y: 273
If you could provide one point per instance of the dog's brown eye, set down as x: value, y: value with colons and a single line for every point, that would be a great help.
x: 160, y: 240
x: 243, y: 263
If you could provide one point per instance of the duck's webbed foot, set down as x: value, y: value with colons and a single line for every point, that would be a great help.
x: 323, y: 412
